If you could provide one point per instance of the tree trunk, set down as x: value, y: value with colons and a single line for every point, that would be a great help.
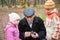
x: 59, y: 1
x: 28, y: 3
x: 14, y: 3
x: 2, y: 2
x: 34, y: 3
x: 8, y: 2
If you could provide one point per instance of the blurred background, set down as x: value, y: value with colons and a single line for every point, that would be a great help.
x: 8, y: 6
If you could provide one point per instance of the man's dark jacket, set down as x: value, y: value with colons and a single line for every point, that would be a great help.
x: 37, y: 26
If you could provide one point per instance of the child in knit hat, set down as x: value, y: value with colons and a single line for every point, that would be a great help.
x: 11, y: 30
x: 52, y: 20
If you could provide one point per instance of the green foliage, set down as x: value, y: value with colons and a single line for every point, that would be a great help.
x: 40, y: 7
x: 42, y: 15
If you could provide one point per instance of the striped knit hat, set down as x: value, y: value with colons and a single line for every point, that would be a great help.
x: 49, y: 4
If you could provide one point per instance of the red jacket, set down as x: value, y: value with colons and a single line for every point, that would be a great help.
x: 52, y: 18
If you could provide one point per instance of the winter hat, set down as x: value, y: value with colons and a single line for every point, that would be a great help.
x: 49, y: 4
x: 29, y: 12
x: 13, y: 16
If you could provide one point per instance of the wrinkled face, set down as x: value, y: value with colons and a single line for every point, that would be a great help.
x: 30, y: 19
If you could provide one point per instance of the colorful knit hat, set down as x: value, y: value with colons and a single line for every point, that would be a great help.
x: 49, y: 4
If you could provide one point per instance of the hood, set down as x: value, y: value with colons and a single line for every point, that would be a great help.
x: 7, y: 26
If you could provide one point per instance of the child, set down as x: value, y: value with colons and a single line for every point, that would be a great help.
x: 11, y: 30
x: 52, y: 20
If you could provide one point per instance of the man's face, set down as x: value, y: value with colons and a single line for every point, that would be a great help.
x: 30, y: 19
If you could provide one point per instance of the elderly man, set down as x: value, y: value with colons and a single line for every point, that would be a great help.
x: 31, y: 27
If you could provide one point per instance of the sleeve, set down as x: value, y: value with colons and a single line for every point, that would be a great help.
x: 57, y: 27
x: 42, y: 33
x: 9, y: 35
x: 21, y: 30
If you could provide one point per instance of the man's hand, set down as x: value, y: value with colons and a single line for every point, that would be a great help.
x: 34, y: 35
x: 27, y: 34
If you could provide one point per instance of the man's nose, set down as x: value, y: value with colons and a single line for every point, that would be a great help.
x: 29, y: 18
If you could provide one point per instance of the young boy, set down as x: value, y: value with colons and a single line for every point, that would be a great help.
x: 11, y: 30
x: 52, y: 20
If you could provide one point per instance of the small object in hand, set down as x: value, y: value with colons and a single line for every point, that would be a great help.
x: 33, y: 32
